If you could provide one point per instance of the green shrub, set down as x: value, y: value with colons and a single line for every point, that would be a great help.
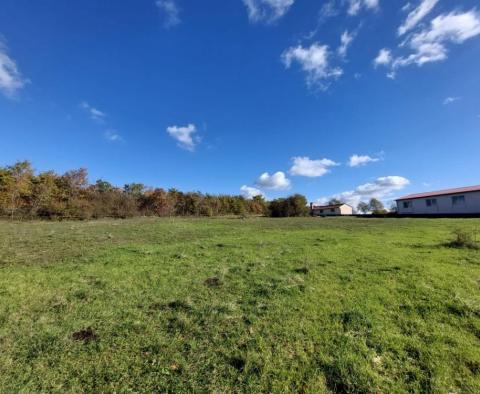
x: 463, y: 239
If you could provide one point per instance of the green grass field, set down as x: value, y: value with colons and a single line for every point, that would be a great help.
x: 305, y: 305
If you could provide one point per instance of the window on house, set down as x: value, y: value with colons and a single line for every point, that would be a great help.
x: 407, y: 204
x: 332, y: 210
x: 321, y: 210
x: 458, y: 200
x: 431, y: 202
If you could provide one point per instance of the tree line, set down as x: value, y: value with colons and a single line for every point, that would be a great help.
x: 25, y: 194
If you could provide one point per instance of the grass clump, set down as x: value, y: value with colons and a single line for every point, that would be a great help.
x: 463, y: 239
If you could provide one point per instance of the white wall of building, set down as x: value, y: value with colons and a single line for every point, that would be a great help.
x: 444, y: 205
x: 346, y: 210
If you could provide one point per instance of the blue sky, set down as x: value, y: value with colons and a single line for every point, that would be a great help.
x: 348, y: 98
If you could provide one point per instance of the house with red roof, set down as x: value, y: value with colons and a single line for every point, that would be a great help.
x: 459, y: 201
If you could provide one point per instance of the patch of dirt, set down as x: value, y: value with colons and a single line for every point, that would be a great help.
x: 213, y: 282
x: 473, y: 366
x: 302, y: 270
x: 237, y: 363
x: 85, y: 335
x: 178, y: 305
x: 175, y: 305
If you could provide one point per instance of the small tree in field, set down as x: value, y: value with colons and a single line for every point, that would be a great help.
x: 363, y: 207
x: 297, y: 205
x: 376, y: 206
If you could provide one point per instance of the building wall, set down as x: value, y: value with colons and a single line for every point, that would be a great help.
x: 326, y: 212
x: 346, y: 210
x: 343, y: 210
x: 444, y: 205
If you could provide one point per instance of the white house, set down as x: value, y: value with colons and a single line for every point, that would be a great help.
x: 460, y: 201
x: 331, y: 210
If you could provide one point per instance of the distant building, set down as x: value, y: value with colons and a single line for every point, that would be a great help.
x: 331, y: 210
x: 460, y: 201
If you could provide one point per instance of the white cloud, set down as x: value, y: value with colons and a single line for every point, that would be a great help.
x: 94, y: 113
x: 303, y: 166
x: 361, y: 160
x: 328, y: 10
x: 250, y: 192
x: 430, y: 44
x: 355, y: 6
x: 11, y: 80
x: 345, y: 40
x: 331, y: 8
x: 113, y: 136
x: 171, y: 11
x: 277, y: 181
x: 267, y: 10
x: 314, y: 61
x: 450, y: 100
x: 391, y: 75
x: 407, y: 7
x: 415, y: 16
x: 371, y: 3
x: 384, y: 57
x: 184, y: 136
x: 381, y: 188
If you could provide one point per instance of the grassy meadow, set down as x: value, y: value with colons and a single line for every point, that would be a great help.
x: 301, y: 305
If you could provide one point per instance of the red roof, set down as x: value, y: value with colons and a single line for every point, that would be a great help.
x: 467, y: 189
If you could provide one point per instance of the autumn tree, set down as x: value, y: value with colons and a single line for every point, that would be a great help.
x: 15, y: 186
x: 44, y: 201
x: 258, y: 205
x: 158, y: 202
